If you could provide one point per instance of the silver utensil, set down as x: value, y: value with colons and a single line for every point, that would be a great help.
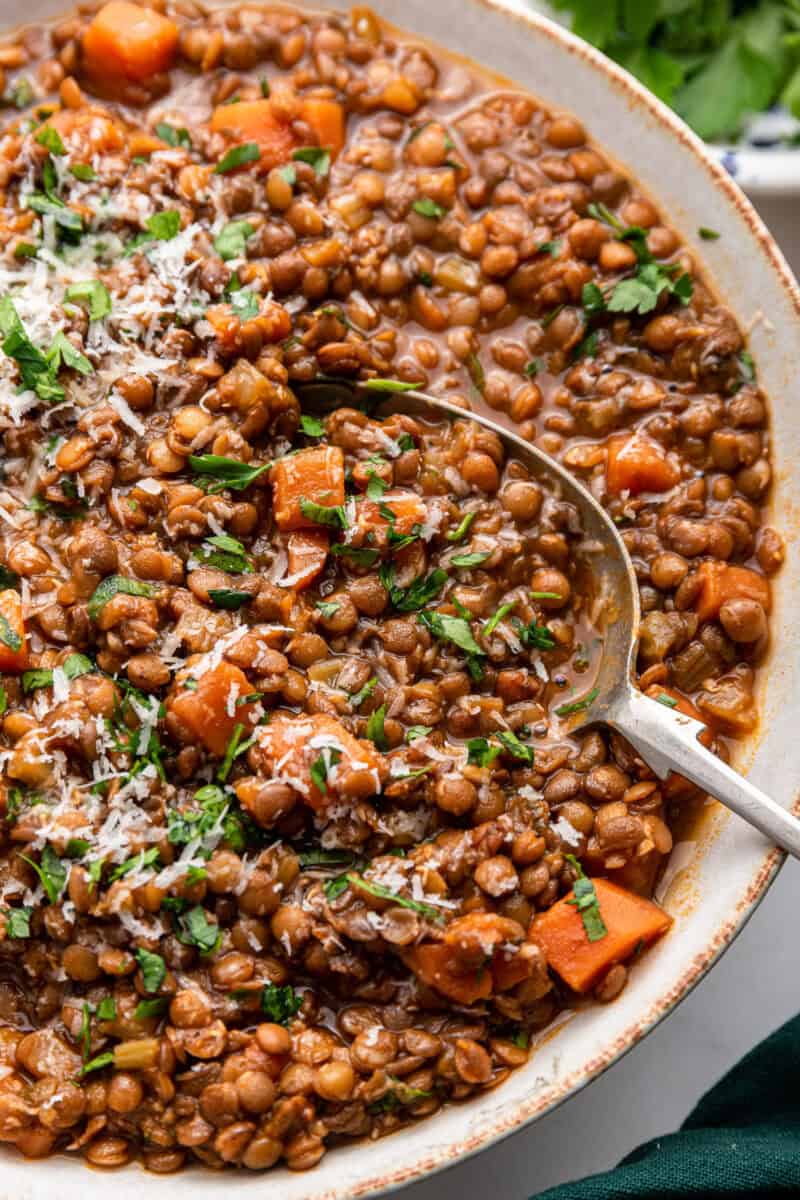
x: 666, y: 738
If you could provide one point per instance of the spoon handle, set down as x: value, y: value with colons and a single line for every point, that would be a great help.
x: 667, y: 741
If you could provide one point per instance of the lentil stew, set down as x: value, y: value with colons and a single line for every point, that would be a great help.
x: 297, y: 846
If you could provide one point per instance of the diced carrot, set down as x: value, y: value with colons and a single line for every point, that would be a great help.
x: 327, y: 119
x: 631, y: 921
x: 316, y: 474
x: 126, y: 40
x: 141, y: 143
x: 90, y: 130
x: 273, y: 323
x: 13, y: 644
x: 721, y: 582
x: 308, y: 551
x: 636, y: 463
x: 407, y: 509
x: 256, y: 121
x: 291, y: 746
x: 474, y: 959
x: 434, y: 964
x: 210, y: 712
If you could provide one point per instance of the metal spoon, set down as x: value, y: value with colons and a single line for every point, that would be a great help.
x: 666, y: 739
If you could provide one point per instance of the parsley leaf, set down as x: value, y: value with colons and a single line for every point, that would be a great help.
x: 51, y: 871
x: 115, y: 585
x: 458, y: 534
x: 231, y: 241
x: 153, y: 968
x: 49, y: 136
x: 173, y: 136
x: 451, y: 629
x: 429, y: 208
x: 470, y: 560
x: 566, y: 710
x: 384, y: 893
x: 329, y: 756
x: 229, y: 598
x: 238, y: 156
x: 375, y: 728
x: 312, y: 426
x: 280, y: 1004
x: 93, y: 294
x: 419, y: 593
x: 316, y: 156
x: 321, y: 514
x: 586, y: 902
x: 229, y: 472
x: 226, y: 553
x: 18, y: 921
x: 195, y: 929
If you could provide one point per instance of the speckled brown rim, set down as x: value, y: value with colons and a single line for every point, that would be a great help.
x: 454, y: 1153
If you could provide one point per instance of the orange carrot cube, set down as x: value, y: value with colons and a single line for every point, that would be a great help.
x: 635, y: 463
x: 212, y: 710
x: 127, y: 40
x: 316, y: 474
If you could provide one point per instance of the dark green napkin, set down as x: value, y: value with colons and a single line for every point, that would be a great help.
x: 742, y: 1141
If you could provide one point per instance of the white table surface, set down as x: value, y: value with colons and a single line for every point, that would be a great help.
x: 748, y: 994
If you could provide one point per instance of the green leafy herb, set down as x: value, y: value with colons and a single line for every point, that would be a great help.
x: 566, y: 710
x: 234, y: 748
x: 385, y: 893
x: 49, y: 136
x: 533, y: 367
x: 229, y: 598
x: 238, y: 156
x: 387, y: 385
x: 280, y: 1004
x: 429, y: 208
x: 231, y: 241
x: 18, y: 921
x: 548, y: 318
x: 451, y: 629
x: 93, y: 294
x: 419, y: 593
x: 26, y: 250
x: 668, y: 701
x: 319, y: 769
x: 50, y: 206
x: 640, y: 293
x: 195, y: 929
x: 173, y: 136
x: 107, y: 1009
x: 375, y: 728
x: 51, y: 871
x: 115, y: 585
x: 747, y: 366
x: 458, y: 534
x: 708, y: 235
x: 470, y: 560
x: 228, y: 472
x: 139, y: 862
x: 335, y: 887
x: 37, y: 371
x: 535, y: 635
x: 592, y: 299
x: 265, y: 88
x: 96, y: 1064
x: 481, y: 752
x: 400, y: 1095
x: 155, y: 1007
x: 317, y: 857
x: 328, y: 608
x: 362, y: 556
x: 8, y: 636
x: 358, y: 698
x: 316, y: 156
x: 417, y: 731
x: 496, y: 617
x: 312, y: 426
x: 226, y: 553
x: 3, y: 700
x: 62, y: 351
x: 83, y: 171
x: 552, y: 248
x: 333, y: 516
x: 74, y: 666
x: 517, y: 749
x: 289, y: 174
x: 375, y: 487
x: 585, y: 900
x: 476, y: 373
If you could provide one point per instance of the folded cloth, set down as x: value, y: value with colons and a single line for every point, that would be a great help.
x: 741, y: 1142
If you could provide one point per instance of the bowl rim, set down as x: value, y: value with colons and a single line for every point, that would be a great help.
x: 451, y: 1151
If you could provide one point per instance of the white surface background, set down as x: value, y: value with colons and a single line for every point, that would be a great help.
x: 752, y: 990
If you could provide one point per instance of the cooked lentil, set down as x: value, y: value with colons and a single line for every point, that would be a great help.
x: 291, y: 822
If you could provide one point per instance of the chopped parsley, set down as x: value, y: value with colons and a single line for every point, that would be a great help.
x: 238, y: 156
x: 51, y: 871
x: 333, y: 516
x: 18, y: 921
x: 229, y: 598
x: 387, y: 385
x: 708, y: 235
x: 320, y: 768
x: 316, y: 156
x: 375, y: 728
x: 226, y: 553
x: 429, y: 208
x: 49, y: 136
x: 458, y: 534
x: 280, y: 1004
x: 193, y: 928
x: 496, y: 617
x: 419, y: 593
x: 116, y: 585
x: 312, y: 426
x: 231, y: 241
x: 93, y: 294
x: 74, y: 666
x: 228, y: 472
x: 575, y: 706
x: 173, y: 136
x: 585, y: 900
x: 384, y: 893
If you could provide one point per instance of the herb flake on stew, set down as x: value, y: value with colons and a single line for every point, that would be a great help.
x: 384, y: 893
x: 429, y: 208
x: 116, y: 585
x: 312, y: 426
x: 333, y: 516
x: 575, y: 706
x: 93, y: 294
x: 229, y: 599
x: 316, y: 156
x: 585, y: 901
x: 237, y: 156
x: 231, y: 241
x: 226, y: 472
x: 280, y: 1004
x: 375, y: 728
x: 51, y: 871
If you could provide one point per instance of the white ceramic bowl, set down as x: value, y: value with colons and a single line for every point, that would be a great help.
x: 713, y: 885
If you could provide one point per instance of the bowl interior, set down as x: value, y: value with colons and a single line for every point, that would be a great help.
x: 714, y: 882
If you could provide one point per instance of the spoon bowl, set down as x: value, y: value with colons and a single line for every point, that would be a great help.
x: 666, y: 738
